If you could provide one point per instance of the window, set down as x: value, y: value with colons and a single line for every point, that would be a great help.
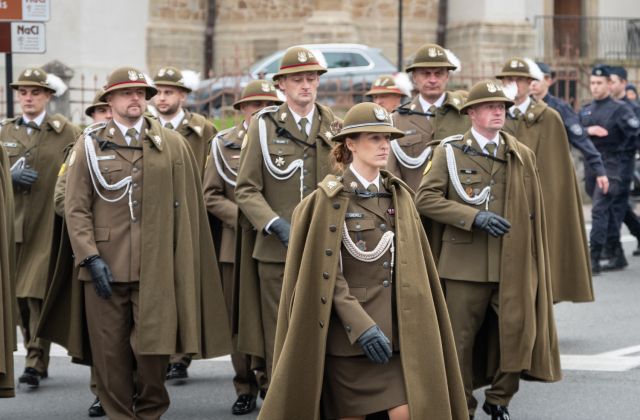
x: 345, y: 59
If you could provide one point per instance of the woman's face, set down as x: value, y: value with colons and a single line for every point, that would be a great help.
x: 370, y: 149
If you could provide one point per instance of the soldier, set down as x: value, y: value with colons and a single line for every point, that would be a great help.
x: 148, y: 285
x: 284, y: 156
x: 484, y: 188
x: 432, y: 115
x: 7, y: 290
x: 618, y: 83
x: 610, y: 124
x: 173, y: 87
x: 219, y: 187
x: 35, y: 143
x: 541, y: 129
x: 389, y: 91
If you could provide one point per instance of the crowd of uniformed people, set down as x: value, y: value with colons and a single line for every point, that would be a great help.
x: 384, y: 264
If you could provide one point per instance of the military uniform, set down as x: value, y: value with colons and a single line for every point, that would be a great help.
x: 421, y: 126
x: 41, y: 148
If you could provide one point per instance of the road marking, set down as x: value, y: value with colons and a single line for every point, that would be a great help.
x: 612, y: 361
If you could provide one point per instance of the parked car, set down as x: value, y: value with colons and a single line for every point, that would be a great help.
x: 351, y: 68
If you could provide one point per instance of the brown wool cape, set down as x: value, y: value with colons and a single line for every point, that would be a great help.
x: 7, y: 282
x: 430, y: 365
x: 181, y: 307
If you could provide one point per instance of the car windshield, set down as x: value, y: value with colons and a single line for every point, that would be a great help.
x: 269, y: 64
x: 338, y: 59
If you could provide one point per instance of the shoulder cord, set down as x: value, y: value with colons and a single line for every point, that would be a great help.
x: 408, y: 161
x: 484, y: 195
x: 94, y: 171
x: 277, y: 173
x: 386, y: 243
x: 217, y: 157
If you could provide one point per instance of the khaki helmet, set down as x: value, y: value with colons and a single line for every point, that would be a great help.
x: 171, y: 76
x: 125, y: 78
x: 387, y: 84
x: 258, y: 90
x: 521, y: 67
x: 299, y: 60
x: 367, y: 117
x: 433, y: 55
x: 34, y: 77
x: 489, y: 91
x: 96, y: 103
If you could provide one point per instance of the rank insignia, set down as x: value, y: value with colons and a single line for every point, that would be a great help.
x: 412, y: 107
x: 332, y: 184
x: 353, y: 185
x: 198, y: 129
x: 328, y: 135
x: 530, y: 116
x: 362, y: 245
x: 185, y: 122
x: 283, y: 116
x: 56, y: 124
x: 111, y: 131
x: 279, y: 161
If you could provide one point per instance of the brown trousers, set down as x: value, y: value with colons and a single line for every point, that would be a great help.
x: 468, y: 303
x: 37, y: 348
x: 120, y: 371
x: 271, y: 275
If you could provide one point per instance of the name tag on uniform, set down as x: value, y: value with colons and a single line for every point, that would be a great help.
x: 468, y: 171
x: 353, y: 215
x: 106, y: 157
x: 281, y: 141
x: 9, y: 144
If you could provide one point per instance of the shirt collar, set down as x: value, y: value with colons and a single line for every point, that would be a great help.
x: 297, y: 117
x: 245, y: 125
x: 123, y: 129
x: 38, y: 120
x: 522, y: 107
x: 483, y: 141
x: 175, y: 121
x: 426, y: 105
x: 363, y: 181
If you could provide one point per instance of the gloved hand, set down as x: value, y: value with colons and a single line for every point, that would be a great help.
x: 23, y: 177
x: 493, y: 224
x: 100, y: 274
x: 282, y: 229
x: 376, y: 345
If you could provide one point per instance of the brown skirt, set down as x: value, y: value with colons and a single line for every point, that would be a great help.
x: 355, y: 386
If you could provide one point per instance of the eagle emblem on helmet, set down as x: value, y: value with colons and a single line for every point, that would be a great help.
x: 380, y: 113
x: 302, y: 57
x: 161, y: 72
x: 265, y: 87
x: 133, y: 75
x: 492, y: 88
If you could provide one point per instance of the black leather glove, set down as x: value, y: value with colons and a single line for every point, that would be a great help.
x: 23, y: 177
x: 491, y: 223
x: 281, y: 228
x: 100, y: 274
x: 376, y: 345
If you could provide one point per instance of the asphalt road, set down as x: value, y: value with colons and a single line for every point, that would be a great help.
x: 599, y: 342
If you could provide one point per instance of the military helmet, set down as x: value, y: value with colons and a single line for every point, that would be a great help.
x: 489, y: 91
x: 433, y: 55
x: 171, y: 76
x: 96, y: 103
x: 258, y: 90
x: 125, y: 78
x: 367, y: 117
x: 34, y: 77
x: 521, y: 67
x: 385, y: 84
x: 299, y: 60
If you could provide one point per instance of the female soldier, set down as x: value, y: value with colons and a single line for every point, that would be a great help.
x: 362, y: 325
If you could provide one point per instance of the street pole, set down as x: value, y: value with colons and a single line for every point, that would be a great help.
x: 400, y: 54
x: 8, y: 65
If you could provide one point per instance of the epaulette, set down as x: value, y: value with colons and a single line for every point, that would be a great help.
x: 455, y: 137
x: 403, y: 110
x: 222, y: 133
x: 9, y: 120
x: 58, y: 122
x: 267, y: 109
x: 331, y: 185
x: 93, y: 127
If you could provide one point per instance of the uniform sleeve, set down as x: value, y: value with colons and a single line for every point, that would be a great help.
x: 61, y: 186
x: 250, y: 182
x: 579, y: 138
x: 629, y: 125
x: 354, y: 318
x: 431, y: 198
x: 214, y: 195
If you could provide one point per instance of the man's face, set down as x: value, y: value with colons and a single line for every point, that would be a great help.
x: 169, y: 99
x: 389, y: 101
x: 488, y: 116
x: 101, y: 113
x: 251, y: 107
x: 522, y: 84
x: 540, y: 88
x: 632, y: 95
x: 300, y: 88
x: 599, y: 86
x: 617, y: 85
x: 127, y: 104
x: 431, y: 82
x: 33, y: 100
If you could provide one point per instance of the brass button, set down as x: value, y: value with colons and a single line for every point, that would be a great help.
x: 328, y: 252
x: 385, y: 283
x: 323, y: 300
x: 336, y: 205
x: 383, y: 227
x: 176, y: 203
x: 325, y: 275
x: 305, y: 172
x: 385, y: 264
x: 134, y: 220
x: 333, y: 228
x: 134, y: 169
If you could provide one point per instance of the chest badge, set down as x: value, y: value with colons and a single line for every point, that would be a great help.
x: 279, y: 161
x: 362, y: 245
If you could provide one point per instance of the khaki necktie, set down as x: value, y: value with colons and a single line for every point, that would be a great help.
x: 490, y: 148
x: 432, y: 110
x: 303, y: 128
x: 132, y: 133
x: 373, y: 189
x: 168, y: 125
x: 32, y: 127
x: 517, y: 114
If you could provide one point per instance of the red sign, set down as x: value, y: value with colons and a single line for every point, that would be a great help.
x: 31, y: 10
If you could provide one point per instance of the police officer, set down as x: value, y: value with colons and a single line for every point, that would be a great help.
x: 389, y: 91
x: 541, y: 129
x: 35, y: 143
x: 284, y: 155
x: 610, y: 124
x: 432, y: 115
x: 173, y: 87
x: 219, y: 188
x: 493, y: 268
x: 618, y: 84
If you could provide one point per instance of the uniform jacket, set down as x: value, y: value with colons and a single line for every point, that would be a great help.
x: 621, y: 123
x: 542, y: 131
x: 7, y: 284
x: 199, y: 132
x: 181, y: 306
x: 430, y: 366
x: 44, y: 151
x: 528, y: 341
x: 420, y: 130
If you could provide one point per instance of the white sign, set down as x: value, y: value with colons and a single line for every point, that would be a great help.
x: 28, y: 38
x: 35, y: 10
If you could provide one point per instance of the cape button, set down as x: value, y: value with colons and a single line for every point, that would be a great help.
x: 333, y: 228
x: 321, y: 324
x: 325, y: 275
x: 336, y: 205
x: 385, y: 283
x: 328, y: 252
x: 323, y: 300
x: 176, y: 204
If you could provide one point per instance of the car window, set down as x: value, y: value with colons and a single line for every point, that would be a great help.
x: 345, y: 59
x: 272, y: 67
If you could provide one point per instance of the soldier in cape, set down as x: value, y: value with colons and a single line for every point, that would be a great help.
x: 389, y: 91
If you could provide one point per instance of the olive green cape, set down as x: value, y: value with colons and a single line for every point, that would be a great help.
x: 431, y: 373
